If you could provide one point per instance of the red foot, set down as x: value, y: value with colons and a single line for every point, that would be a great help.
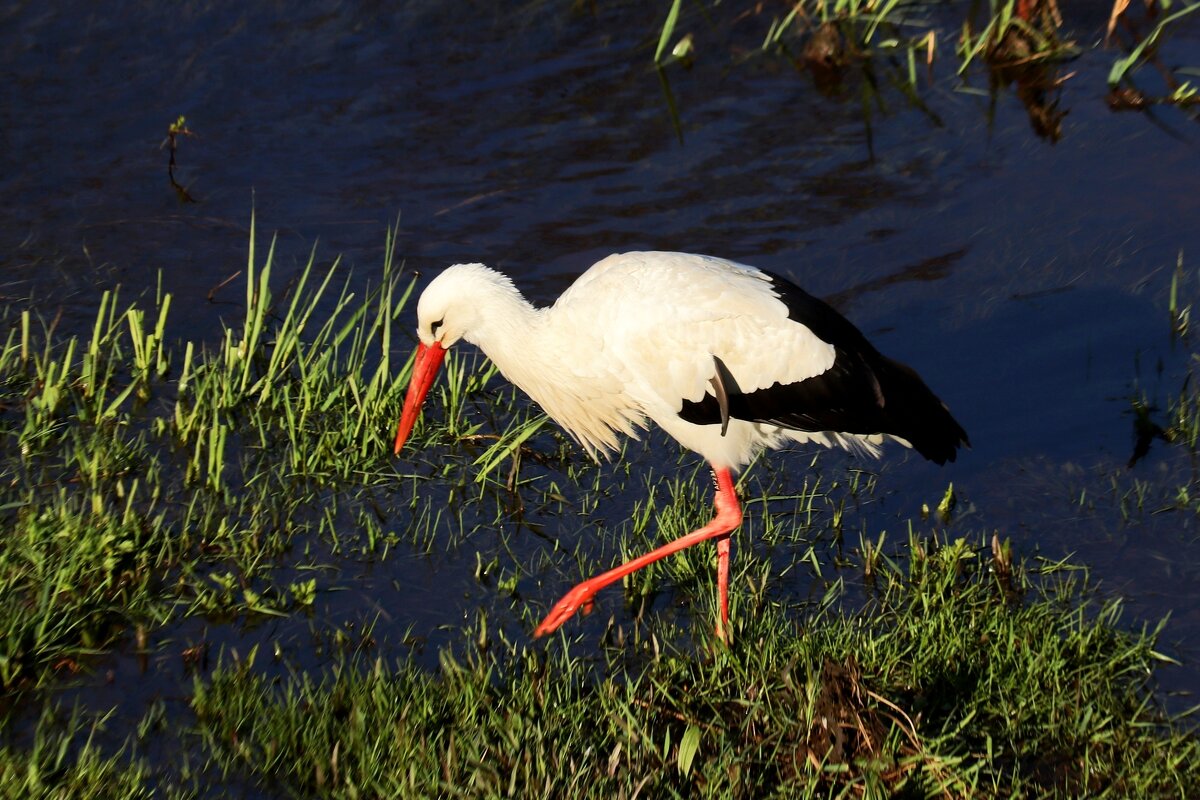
x: 578, y: 599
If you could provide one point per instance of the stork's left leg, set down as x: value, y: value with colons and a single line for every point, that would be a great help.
x: 726, y: 520
x: 722, y: 586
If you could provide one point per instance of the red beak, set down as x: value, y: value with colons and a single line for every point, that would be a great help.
x: 425, y: 369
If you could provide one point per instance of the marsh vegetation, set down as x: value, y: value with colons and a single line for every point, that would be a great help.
x: 216, y: 581
x: 150, y: 481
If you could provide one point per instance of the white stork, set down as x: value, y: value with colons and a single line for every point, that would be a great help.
x: 726, y: 358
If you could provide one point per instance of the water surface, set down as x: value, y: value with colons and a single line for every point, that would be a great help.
x: 1027, y: 280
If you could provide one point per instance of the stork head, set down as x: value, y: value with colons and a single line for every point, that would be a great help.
x: 451, y: 307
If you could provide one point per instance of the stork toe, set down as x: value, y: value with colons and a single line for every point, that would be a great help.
x: 578, y: 599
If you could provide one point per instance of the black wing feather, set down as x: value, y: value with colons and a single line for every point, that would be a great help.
x: 864, y: 392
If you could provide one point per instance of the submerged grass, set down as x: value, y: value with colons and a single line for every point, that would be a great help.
x: 927, y: 692
x: 1162, y: 18
x: 836, y: 33
x: 1020, y: 43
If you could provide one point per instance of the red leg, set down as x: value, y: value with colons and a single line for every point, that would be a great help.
x: 728, y: 517
x: 722, y: 586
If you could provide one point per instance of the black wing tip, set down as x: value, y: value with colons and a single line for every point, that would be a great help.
x: 944, y: 453
x: 939, y: 439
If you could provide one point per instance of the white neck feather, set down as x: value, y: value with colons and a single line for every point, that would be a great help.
x: 532, y: 352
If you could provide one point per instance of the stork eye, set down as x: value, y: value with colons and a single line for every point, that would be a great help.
x: 434, y: 327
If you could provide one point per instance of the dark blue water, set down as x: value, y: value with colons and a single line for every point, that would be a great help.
x: 1026, y: 280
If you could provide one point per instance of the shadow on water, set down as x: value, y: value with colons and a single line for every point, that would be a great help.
x: 1026, y: 282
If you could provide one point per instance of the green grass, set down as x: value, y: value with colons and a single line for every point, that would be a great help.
x: 63, y: 762
x: 943, y: 686
x: 146, y: 480
x: 147, y: 483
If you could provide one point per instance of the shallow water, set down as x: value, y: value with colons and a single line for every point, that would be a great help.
x: 1026, y: 280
